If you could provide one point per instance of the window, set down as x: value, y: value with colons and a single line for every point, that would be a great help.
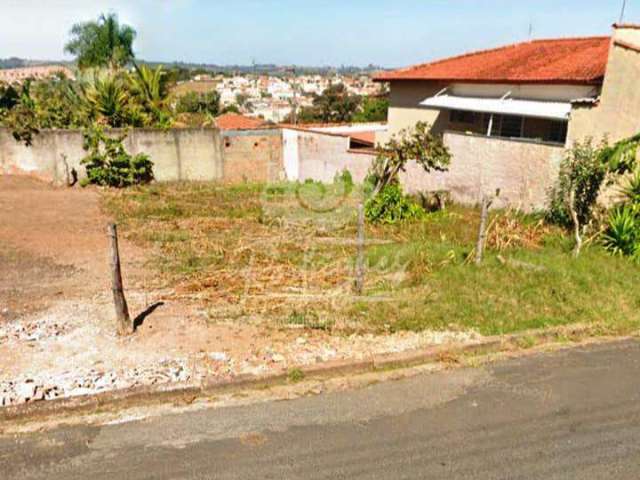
x: 511, y: 126
x: 461, y: 116
x: 557, y: 132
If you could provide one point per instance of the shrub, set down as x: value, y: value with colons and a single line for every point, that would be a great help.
x: 631, y: 191
x: 345, y: 179
x: 391, y: 205
x: 622, y: 236
x: 109, y: 164
x: 582, y: 171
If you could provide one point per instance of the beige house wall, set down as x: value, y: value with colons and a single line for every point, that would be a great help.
x: 404, y: 109
x: 617, y: 115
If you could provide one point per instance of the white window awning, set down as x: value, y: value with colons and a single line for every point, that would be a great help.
x: 505, y: 106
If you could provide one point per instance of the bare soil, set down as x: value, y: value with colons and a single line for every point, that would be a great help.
x: 57, y: 321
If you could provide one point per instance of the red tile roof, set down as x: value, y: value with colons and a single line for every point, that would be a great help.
x: 235, y: 121
x: 364, y: 137
x: 555, y: 61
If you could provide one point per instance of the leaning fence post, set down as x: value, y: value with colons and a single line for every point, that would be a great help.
x: 125, y: 327
x: 482, y: 233
x: 359, y: 283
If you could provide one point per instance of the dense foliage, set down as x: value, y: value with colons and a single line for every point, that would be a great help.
x: 573, y: 199
x: 205, y: 103
x: 417, y: 144
x: 372, y: 109
x: 391, y: 205
x: 337, y: 105
x: 582, y: 171
x: 109, y: 164
x: 102, y: 43
x: 622, y: 235
x: 112, y: 99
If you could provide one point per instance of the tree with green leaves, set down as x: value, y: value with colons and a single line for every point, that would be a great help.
x: 106, y: 99
x: 149, y: 90
x: 102, y: 43
x: 583, y: 172
x: 417, y: 144
x: 334, y: 105
x: 372, y: 109
x: 194, y: 102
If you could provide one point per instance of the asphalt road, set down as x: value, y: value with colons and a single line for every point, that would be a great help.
x: 567, y: 415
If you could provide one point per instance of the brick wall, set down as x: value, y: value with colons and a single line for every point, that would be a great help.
x: 252, y: 155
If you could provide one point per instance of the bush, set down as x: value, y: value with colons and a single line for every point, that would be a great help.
x: 345, y: 179
x: 391, y: 206
x: 631, y: 191
x: 622, y: 236
x: 109, y: 164
x: 583, y: 171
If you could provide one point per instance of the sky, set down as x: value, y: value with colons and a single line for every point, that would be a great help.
x: 389, y: 33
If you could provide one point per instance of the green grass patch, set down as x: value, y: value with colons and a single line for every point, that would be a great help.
x: 278, y: 253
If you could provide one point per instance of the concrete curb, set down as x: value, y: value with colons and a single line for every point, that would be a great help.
x: 187, y: 393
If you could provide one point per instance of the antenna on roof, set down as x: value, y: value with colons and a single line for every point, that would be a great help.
x: 622, y: 12
x: 530, y: 30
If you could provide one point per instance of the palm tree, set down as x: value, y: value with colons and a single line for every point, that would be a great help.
x: 102, y: 43
x: 103, y: 98
x: 149, y: 86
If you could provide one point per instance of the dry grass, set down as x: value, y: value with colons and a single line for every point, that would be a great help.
x: 511, y: 229
x: 241, y: 251
x: 284, y: 255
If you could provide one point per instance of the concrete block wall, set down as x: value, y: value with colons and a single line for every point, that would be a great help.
x: 177, y: 154
x: 46, y: 158
x: 322, y: 155
x: 523, y: 171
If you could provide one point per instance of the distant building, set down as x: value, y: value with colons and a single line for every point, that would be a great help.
x: 235, y: 121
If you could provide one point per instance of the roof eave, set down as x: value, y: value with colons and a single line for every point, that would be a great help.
x: 506, y: 81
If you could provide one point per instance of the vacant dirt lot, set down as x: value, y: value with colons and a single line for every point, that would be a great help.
x: 57, y: 321
x: 50, y: 244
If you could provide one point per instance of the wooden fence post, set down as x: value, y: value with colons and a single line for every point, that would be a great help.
x: 125, y: 326
x: 359, y: 283
x: 482, y: 233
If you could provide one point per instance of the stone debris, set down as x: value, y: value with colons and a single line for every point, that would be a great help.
x: 72, y: 384
x: 305, y: 347
x: 218, y: 356
x: 32, y: 331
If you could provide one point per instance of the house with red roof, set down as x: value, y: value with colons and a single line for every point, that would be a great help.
x: 236, y: 121
x: 507, y: 114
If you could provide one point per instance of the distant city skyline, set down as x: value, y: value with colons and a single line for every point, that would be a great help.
x: 322, y: 33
